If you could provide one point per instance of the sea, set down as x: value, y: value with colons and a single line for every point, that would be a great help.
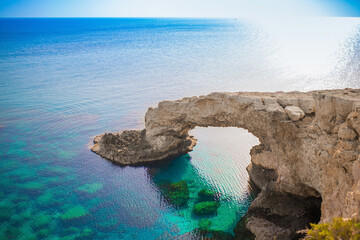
x: 65, y: 80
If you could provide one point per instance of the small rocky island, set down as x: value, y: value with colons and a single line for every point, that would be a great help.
x: 307, y: 164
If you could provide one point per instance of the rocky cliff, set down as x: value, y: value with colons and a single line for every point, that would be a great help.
x: 309, y: 146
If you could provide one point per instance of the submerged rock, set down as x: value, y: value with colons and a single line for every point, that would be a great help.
x: 208, y: 195
x: 87, y: 233
x: 202, y: 234
x: 43, y: 233
x: 176, y: 193
x: 206, y: 208
x: 32, y: 185
x: 212, y: 235
x: 90, y: 187
x: 204, y: 224
x: 207, y: 205
x: 12, y: 232
x: 6, y: 210
x: 41, y: 220
x: 57, y: 170
x: 47, y: 199
x: 74, y: 212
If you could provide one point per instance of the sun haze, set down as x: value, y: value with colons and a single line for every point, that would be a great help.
x: 178, y: 8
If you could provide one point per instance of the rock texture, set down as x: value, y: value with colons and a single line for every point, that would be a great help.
x: 309, y: 141
x: 276, y: 215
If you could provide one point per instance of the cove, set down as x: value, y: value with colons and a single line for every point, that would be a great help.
x: 218, y: 167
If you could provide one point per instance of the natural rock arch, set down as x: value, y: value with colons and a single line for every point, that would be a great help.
x: 310, y: 140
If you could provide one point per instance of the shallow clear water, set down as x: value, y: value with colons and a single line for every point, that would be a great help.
x: 62, y: 81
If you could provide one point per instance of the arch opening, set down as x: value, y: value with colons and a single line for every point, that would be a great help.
x: 217, y: 164
x: 221, y: 156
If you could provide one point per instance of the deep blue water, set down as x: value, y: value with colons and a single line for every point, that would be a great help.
x: 63, y: 81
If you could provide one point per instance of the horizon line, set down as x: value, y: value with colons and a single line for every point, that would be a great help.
x: 189, y: 17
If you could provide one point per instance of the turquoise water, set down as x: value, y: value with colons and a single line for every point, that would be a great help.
x: 63, y: 81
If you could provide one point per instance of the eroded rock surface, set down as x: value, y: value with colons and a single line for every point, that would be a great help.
x: 309, y: 141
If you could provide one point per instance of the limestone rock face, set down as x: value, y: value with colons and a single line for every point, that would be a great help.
x: 346, y: 133
x: 310, y: 140
x: 294, y: 113
x: 274, y: 215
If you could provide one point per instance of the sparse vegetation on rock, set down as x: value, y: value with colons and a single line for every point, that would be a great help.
x: 339, y: 228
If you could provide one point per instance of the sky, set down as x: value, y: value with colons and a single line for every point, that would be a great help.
x: 178, y: 8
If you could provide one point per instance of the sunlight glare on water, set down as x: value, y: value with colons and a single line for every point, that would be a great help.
x: 309, y: 46
x: 219, y: 148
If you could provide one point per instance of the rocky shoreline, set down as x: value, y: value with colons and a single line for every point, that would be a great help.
x: 309, y: 151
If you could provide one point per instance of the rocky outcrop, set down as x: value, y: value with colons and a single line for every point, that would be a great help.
x: 273, y: 214
x: 309, y: 141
